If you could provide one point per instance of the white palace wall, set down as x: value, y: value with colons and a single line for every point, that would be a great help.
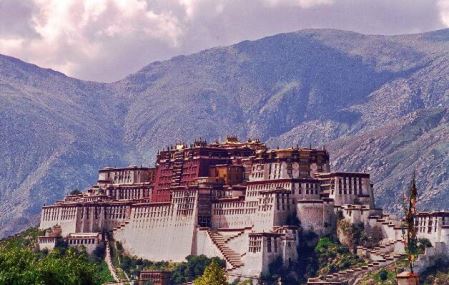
x: 204, y: 245
x: 230, y: 214
x: 316, y: 215
x: 240, y: 243
x: 158, y: 238
x: 66, y: 217
x: 84, y: 219
x: 161, y: 231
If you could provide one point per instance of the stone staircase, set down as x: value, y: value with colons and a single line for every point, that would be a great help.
x: 108, y: 260
x: 120, y: 226
x: 229, y: 238
x: 381, y: 253
x: 379, y: 256
x: 232, y: 257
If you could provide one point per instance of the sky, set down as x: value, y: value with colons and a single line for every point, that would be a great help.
x: 106, y: 40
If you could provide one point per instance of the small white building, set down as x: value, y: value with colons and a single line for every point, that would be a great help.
x: 88, y: 240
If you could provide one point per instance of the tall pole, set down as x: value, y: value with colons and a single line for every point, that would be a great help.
x: 411, y: 242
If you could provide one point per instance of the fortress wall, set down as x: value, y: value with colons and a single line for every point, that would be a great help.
x: 264, y: 216
x: 391, y: 232
x: 356, y: 214
x: 314, y: 216
x: 253, y: 259
x: 289, y: 252
x: 284, y: 207
x: 343, y: 199
x: 88, y: 218
x: 263, y: 220
x: 66, y: 217
x: 158, y: 232
x: 388, y: 231
x: 114, y: 215
x: 273, y: 210
x: 253, y: 264
x: 253, y: 191
x: 444, y: 238
x: 230, y: 215
x: 204, y: 245
x: 231, y: 221
x: 329, y: 218
x: 96, y: 218
x: 239, y: 244
x: 349, y: 189
x: 49, y: 217
x: 271, y: 250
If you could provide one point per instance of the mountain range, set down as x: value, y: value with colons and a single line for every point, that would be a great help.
x: 377, y: 103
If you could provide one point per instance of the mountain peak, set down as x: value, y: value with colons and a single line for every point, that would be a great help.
x: 372, y: 100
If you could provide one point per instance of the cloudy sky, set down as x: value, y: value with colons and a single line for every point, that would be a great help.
x: 104, y: 40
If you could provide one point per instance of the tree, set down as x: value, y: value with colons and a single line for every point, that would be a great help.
x: 213, y: 275
x: 409, y: 228
x: 193, y: 268
x: 21, y: 264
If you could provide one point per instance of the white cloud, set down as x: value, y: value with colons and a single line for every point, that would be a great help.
x: 74, y: 32
x: 444, y: 11
x: 299, y: 3
x: 107, y: 39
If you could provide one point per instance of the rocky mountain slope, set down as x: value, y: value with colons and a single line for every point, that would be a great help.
x: 378, y: 103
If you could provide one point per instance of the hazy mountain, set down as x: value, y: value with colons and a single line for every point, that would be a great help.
x: 378, y: 103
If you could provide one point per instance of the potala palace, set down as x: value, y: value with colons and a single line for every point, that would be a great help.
x: 240, y: 201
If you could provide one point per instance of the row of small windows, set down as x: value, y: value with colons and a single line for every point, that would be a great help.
x: 253, y: 190
x: 229, y: 211
x: 257, y: 174
x: 160, y: 223
x: 51, y: 214
x: 122, y: 176
x: 429, y: 225
x: 81, y: 241
x: 184, y: 194
x: 309, y: 188
x: 181, y: 199
x: 186, y: 212
x: 349, y: 185
x: 127, y: 193
x: 153, y: 214
x: 243, y: 211
x: 229, y: 205
x: 70, y: 213
x: 114, y: 212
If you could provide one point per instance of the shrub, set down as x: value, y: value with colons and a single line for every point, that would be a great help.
x: 383, y: 275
